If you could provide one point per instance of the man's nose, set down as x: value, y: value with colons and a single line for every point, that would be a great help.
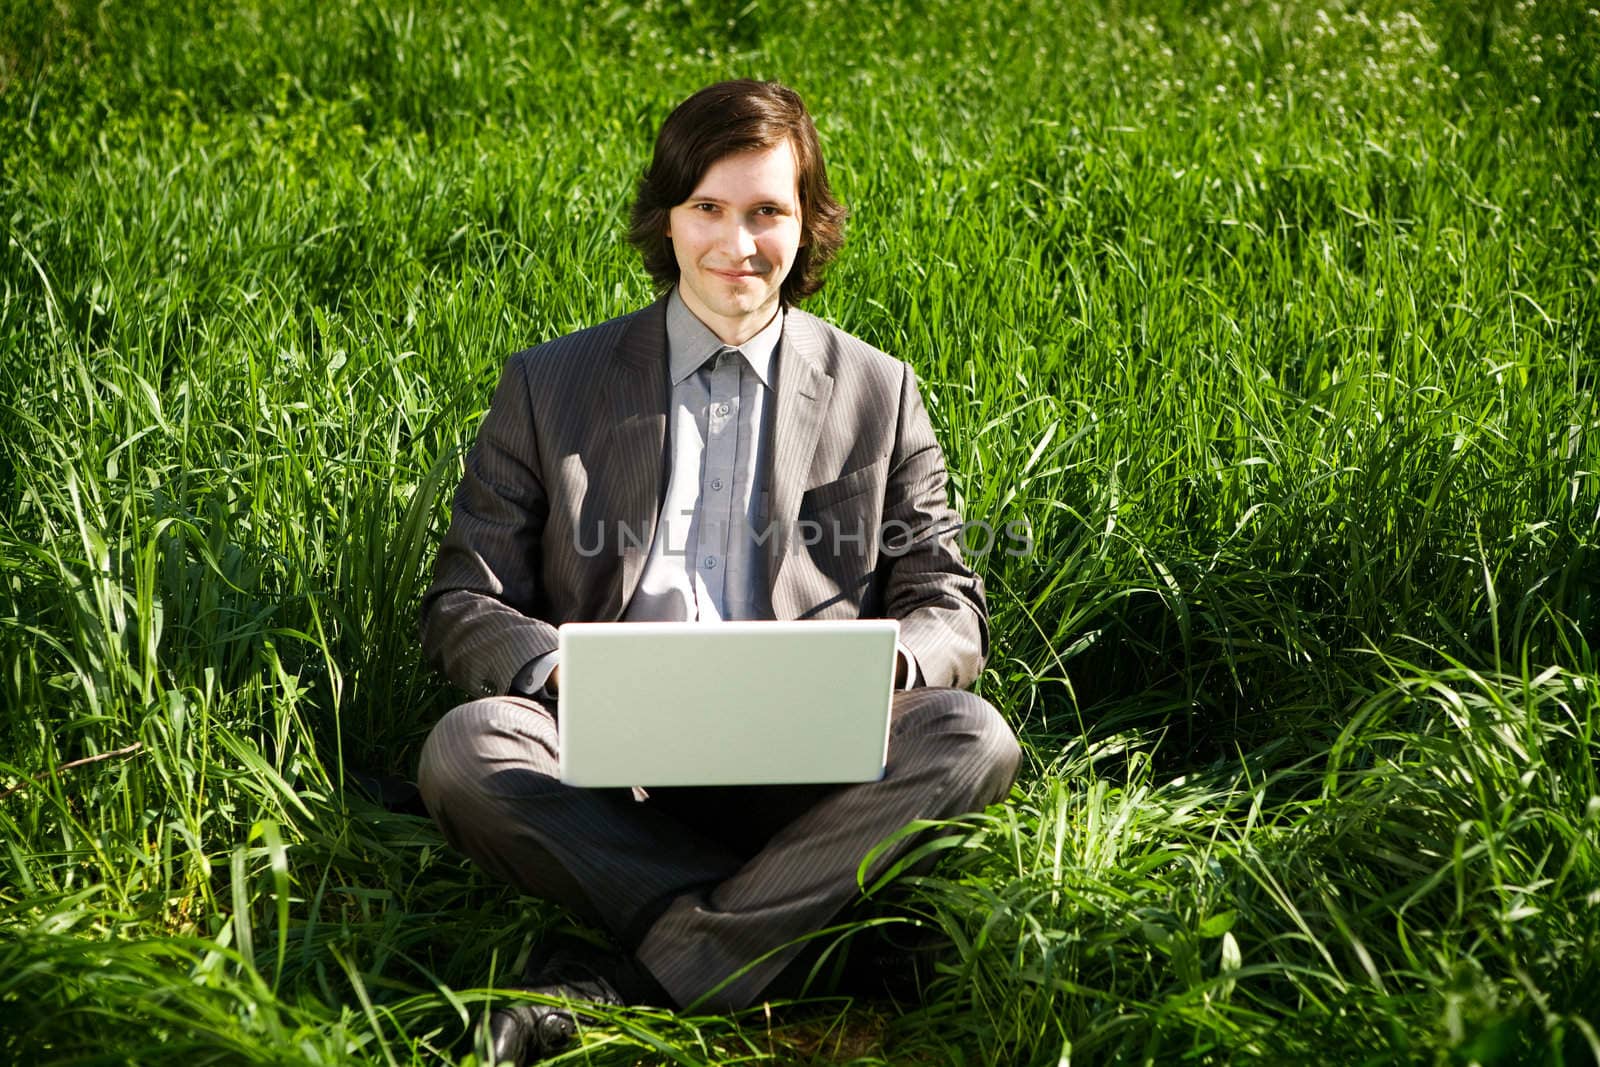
x: 740, y: 239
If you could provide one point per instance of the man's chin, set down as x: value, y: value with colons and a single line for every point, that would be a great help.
x: 748, y: 297
x: 741, y: 308
x: 734, y: 303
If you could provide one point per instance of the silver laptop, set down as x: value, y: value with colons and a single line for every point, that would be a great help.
x: 725, y: 703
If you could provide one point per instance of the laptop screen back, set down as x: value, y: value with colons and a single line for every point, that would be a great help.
x: 730, y: 703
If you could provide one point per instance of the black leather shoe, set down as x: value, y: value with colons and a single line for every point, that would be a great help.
x: 525, y: 1033
x: 529, y: 1032
x: 897, y: 961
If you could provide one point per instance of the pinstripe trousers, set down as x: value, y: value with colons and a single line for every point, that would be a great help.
x: 709, y: 888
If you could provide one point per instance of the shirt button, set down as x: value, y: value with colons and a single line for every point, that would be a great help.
x: 716, y: 483
x: 722, y: 409
x: 711, y: 562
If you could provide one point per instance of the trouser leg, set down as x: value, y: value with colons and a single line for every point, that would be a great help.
x: 950, y: 752
x: 490, y: 777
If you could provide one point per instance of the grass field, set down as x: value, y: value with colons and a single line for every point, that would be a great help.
x: 1276, y: 322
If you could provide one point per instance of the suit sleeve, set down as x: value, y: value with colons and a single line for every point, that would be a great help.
x: 939, y: 600
x: 478, y: 623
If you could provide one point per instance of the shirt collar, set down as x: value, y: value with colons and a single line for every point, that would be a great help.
x: 690, y: 343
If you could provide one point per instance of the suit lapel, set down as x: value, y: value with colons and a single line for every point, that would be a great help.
x: 631, y: 433
x: 802, y: 402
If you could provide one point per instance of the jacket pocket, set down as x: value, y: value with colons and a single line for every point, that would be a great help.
x: 830, y: 494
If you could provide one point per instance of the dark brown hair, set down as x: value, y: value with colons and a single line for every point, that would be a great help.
x: 719, y: 121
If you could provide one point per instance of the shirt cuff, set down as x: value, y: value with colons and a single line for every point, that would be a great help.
x: 532, y: 679
x: 913, y: 676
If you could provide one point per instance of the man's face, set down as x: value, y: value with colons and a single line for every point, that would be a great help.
x: 735, y: 239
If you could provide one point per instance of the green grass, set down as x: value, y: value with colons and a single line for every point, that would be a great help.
x: 1275, y: 323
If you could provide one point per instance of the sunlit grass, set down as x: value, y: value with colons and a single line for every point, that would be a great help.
x: 1275, y: 325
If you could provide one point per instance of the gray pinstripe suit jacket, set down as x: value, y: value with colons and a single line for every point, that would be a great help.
x: 561, y: 493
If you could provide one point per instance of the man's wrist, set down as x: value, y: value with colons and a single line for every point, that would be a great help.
x: 905, y: 668
x: 537, y: 676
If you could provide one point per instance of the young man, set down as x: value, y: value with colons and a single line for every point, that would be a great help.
x: 678, y: 463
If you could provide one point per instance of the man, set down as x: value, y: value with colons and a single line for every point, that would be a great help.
x: 717, y: 455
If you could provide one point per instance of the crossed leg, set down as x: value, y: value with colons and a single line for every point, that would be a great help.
x: 712, y: 922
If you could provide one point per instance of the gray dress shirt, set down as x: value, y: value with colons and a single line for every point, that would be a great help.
x: 705, y: 563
